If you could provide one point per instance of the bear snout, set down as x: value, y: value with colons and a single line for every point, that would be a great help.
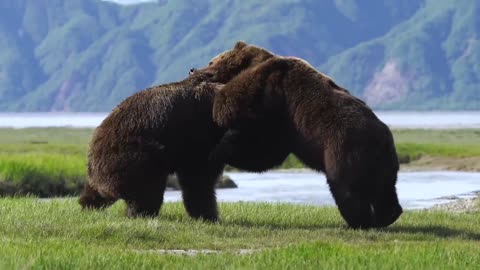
x: 207, y: 74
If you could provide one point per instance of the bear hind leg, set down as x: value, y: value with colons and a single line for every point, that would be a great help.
x: 147, y: 201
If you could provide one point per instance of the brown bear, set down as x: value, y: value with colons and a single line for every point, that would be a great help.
x: 329, y: 130
x: 265, y: 146
x: 159, y: 131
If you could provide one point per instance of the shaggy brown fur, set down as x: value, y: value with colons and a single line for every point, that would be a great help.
x: 154, y: 133
x: 230, y: 63
x: 328, y: 129
x: 162, y: 130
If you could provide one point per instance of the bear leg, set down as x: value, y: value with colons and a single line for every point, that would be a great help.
x: 92, y: 199
x: 147, y: 200
x: 250, y: 151
x: 354, y: 206
x: 386, y: 207
x: 198, y: 191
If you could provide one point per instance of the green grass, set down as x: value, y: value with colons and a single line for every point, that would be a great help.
x: 56, y: 234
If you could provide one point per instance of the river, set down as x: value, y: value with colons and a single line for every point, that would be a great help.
x: 433, y: 120
x: 416, y: 190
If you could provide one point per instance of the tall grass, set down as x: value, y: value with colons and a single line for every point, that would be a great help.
x: 42, y: 174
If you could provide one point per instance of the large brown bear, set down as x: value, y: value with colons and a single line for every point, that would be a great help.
x: 329, y: 129
x: 159, y: 131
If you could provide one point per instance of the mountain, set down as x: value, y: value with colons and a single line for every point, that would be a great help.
x: 88, y: 55
x: 430, y: 61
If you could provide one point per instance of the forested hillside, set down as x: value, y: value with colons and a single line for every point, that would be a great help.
x: 88, y: 55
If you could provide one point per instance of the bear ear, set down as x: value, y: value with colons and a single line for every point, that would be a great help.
x: 240, y: 45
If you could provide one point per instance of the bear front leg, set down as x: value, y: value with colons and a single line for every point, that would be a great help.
x: 386, y: 207
x: 354, y: 205
x: 222, y: 152
x: 243, y: 98
x: 255, y: 151
x: 198, y: 191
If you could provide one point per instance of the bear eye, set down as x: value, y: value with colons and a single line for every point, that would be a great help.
x: 211, y: 63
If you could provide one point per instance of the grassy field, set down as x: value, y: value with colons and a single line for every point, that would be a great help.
x: 446, y: 143
x: 455, y: 142
x: 56, y: 234
x: 51, y: 161
x: 458, y: 142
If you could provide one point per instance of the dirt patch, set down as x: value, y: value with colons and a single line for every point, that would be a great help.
x: 428, y: 163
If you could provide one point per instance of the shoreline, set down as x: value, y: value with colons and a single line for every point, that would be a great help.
x: 458, y: 164
x: 459, y: 205
x: 436, y: 163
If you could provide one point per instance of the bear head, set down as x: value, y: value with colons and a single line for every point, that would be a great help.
x: 230, y: 63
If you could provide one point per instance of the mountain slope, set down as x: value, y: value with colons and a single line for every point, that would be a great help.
x: 88, y: 55
x: 431, y: 61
